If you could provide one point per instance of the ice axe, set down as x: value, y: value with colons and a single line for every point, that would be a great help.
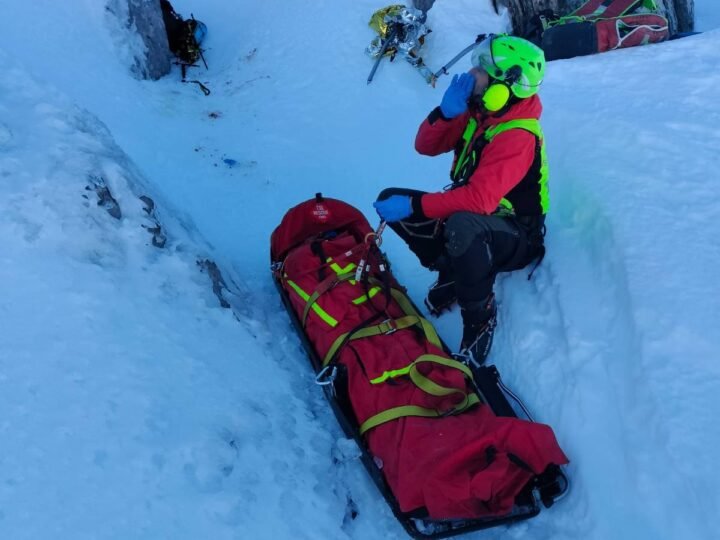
x: 388, y: 41
x: 444, y: 70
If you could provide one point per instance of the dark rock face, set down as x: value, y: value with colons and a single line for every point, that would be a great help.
x: 147, y: 18
x: 423, y: 5
x: 679, y: 13
x: 142, y: 23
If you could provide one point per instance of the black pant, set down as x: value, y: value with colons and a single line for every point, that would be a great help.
x: 475, y: 247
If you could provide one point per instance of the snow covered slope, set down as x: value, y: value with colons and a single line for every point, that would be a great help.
x: 133, y: 406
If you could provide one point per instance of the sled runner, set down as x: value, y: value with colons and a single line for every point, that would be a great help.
x: 438, y: 436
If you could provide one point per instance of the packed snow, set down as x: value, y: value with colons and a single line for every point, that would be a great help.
x: 133, y: 405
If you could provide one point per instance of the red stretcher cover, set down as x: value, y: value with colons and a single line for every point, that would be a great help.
x: 437, y: 447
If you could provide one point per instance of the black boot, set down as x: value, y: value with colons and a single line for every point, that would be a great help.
x: 441, y: 295
x: 479, y: 320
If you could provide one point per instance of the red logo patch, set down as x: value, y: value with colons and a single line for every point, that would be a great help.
x: 320, y: 213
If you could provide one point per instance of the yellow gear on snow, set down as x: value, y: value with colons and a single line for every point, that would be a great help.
x: 377, y: 21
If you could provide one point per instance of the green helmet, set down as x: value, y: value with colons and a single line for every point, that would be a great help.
x: 512, y: 60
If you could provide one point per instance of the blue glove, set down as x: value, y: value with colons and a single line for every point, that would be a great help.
x: 454, y: 102
x: 394, y: 208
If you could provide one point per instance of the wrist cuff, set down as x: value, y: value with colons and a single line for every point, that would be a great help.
x: 436, y: 114
x: 417, y: 206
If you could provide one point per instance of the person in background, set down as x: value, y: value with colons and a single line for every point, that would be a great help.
x: 491, y: 218
x: 424, y: 6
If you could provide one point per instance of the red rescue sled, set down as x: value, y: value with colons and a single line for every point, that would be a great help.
x: 439, y: 437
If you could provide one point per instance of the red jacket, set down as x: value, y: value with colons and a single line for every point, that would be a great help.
x: 504, y: 162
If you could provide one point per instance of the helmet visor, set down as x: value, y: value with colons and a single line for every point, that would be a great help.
x: 482, y: 58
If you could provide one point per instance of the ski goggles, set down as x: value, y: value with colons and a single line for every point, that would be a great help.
x: 482, y: 57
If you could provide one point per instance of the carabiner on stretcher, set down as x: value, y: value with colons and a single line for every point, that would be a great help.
x: 327, y: 376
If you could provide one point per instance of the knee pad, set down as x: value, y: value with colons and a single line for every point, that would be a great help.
x: 461, y: 229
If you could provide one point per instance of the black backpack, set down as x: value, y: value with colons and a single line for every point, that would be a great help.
x: 181, y: 34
